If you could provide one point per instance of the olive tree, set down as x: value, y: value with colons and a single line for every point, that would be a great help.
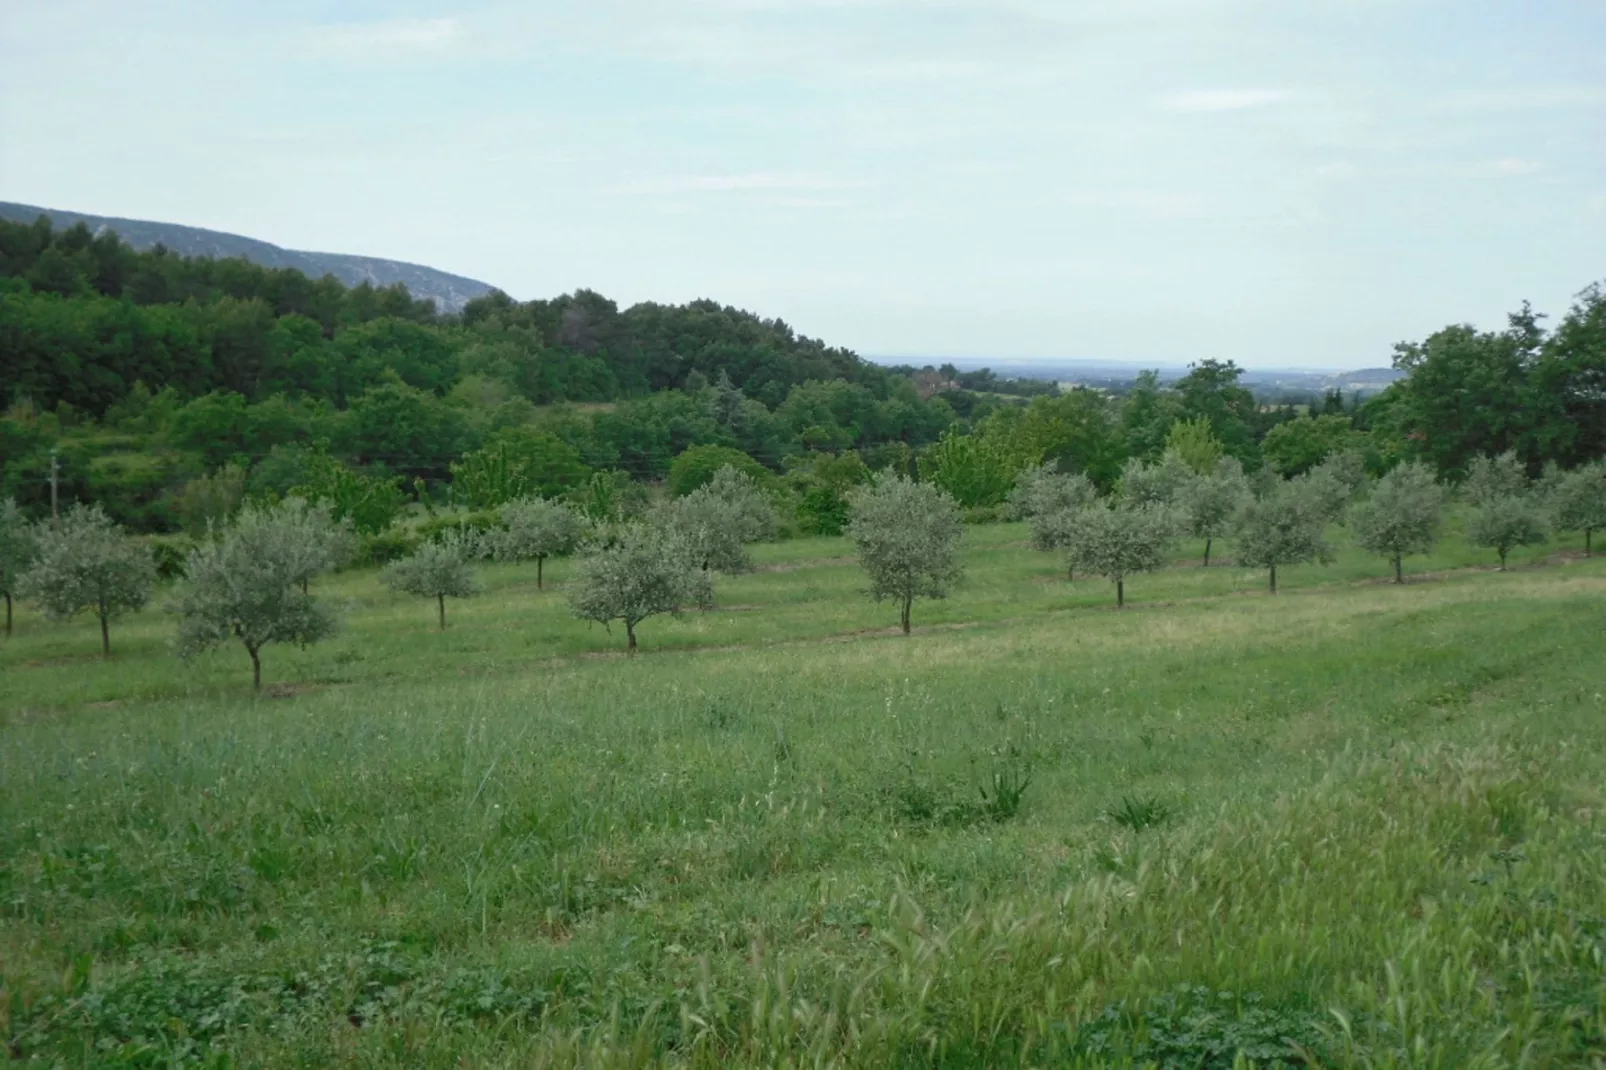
x: 88, y: 563
x: 1283, y: 527
x: 246, y: 583
x: 439, y: 569
x: 538, y: 528
x: 642, y: 572
x: 1506, y: 522
x: 1490, y: 479
x: 907, y: 535
x: 1155, y: 484
x: 1117, y: 540
x: 1211, y: 501
x: 716, y: 521
x: 18, y: 545
x: 1335, y: 482
x: 1043, y: 489
x: 1402, y: 516
x: 1579, y: 501
x: 308, y: 534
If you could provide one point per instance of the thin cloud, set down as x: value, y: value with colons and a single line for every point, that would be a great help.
x: 1513, y: 165
x: 1208, y: 100
x: 766, y: 181
x: 386, y: 38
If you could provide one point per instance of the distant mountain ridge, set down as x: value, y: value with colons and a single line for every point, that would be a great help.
x: 449, y: 292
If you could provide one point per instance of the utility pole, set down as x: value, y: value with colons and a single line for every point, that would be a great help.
x: 55, y: 509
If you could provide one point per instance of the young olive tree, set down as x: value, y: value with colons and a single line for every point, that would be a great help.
x: 439, y: 569
x: 538, y: 528
x: 246, y: 584
x: 1212, y: 500
x: 308, y: 534
x: 1282, y: 528
x: 1155, y: 484
x: 1579, y: 502
x: 88, y: 563
x: 642, y: 572
x: 1491, y: 479
x: 1335, y: 482
x: 716, y: 521
x: 18, y: 545
x: 1118, y: 540
x: 1402, y: 517
x: 1042, y: 490
x: 907, y: 534
x: 1506, y: 522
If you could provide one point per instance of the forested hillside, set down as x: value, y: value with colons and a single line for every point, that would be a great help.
x: 449, y: 292
x: 164, y: 385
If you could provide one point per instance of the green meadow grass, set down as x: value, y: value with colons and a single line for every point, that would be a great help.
x: 1353, y: 824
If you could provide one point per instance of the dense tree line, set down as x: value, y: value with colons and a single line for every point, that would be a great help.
x: 169, y: 390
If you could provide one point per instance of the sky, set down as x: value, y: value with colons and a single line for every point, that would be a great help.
x: 1280, y: 183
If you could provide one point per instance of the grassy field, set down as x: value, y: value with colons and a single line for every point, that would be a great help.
x: 1353, y: 824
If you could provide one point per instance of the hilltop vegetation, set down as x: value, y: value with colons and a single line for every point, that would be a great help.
x: 171, y: 387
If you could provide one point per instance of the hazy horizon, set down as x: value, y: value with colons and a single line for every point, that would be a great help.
x: 1283, y: 187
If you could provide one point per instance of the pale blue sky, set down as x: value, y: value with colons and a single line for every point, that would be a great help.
x: 1281, y: 183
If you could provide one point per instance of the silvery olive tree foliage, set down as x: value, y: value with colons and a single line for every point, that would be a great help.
x: 248, y: 583
x: 1283, y: 527
x: 1506, y: 522
x: 1490, y: 479
x: 1402, y: 517
x: 18, y: 545
x: 1211, y: 501
x: 1578, y: 499
x: 309, y: 536
x: 88, y: 563
x: 538, y: 528
x: 1507, y: 512
x: 716, y: 521
x: 1119, y: 539
x: 439, y: 569
x: 1040, y: 493
x: 642, y: 572
x: 1155, y: 484
x: 907, y: 535
x: 1335, y: 482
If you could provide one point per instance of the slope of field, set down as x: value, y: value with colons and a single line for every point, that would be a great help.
x: 1351, y: 824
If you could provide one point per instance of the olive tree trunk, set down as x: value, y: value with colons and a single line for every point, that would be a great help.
x: 8, y: 614
x: 908, y: 602
x: 105, y: 632
x: 1399, y: 569
x: 441, y: 599
x: 1208, y: 541
x: 1274, y: 579
x: 1120, y: 594
x: 540, y: 560
x: 256, y: 668
x: 630, y: 635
